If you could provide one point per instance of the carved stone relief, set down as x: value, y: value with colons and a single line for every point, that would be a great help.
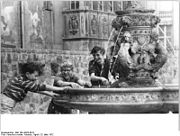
x: 73, y: 24
x: 83, y: 29
x: 105, y: 27
x: 115, y: 98
x: 93, y: 25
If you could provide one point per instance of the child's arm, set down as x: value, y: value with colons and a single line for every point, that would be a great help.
x: 63, y: 83
x: 34, y: 87
x: 48, y: 93
x: 54, y: 88
x: 96, y: 78
x: 84, y: 83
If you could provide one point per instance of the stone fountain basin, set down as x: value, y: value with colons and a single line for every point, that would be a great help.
x: 122, y: 100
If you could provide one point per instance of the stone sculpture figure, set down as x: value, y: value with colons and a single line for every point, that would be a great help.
x: 94, y: 25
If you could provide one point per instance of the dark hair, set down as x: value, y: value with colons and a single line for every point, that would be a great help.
x: 97, y: 49
x: 31, y: 67
x: 54, y: 67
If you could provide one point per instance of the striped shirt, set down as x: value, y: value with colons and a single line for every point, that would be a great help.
x: 18, y: 87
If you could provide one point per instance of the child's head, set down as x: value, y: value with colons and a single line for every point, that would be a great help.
x: 32, y: 70
x: 98, y: 54
x: 67, y: 68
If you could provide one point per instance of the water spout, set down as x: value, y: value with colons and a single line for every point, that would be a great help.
x: 111, y: 34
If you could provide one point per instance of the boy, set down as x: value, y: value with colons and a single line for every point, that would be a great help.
x: 64, y: 79
x: 99, y: 67
x: 18, y: 87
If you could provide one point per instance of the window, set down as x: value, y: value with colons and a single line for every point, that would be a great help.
x: 74, y: 5
x: 88, y: 4
x: 95, y: 5
x: 108, y: 6
x: 117, y: 5
x: 100, y: 5
x: 47, y: 5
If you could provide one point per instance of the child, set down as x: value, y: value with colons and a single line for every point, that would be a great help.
x: 64, y: 79
x: 18, y: 87
x: 99, y: 67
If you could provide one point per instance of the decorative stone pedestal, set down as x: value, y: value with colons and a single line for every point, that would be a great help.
x: 137, y: 54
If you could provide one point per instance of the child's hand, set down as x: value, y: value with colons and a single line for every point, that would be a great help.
x: 104, y: 81
x: 75, y: 85
x: 54, y: 94
x: 66, y: 89
x: 88, y: 84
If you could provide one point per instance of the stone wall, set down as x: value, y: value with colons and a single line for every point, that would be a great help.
x: 36, y: 103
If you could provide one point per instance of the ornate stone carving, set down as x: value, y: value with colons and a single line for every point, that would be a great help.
x: 73, y: 24
x: 138, y: 52
x: 136, y: 19
x: 115, y: 98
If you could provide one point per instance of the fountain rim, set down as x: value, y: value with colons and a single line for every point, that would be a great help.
x: 171, y: 88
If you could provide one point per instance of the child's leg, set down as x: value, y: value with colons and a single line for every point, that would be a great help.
x: 7, y: 104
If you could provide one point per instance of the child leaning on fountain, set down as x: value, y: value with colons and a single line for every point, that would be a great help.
x: 66, y: 78
x: 18, y: 87
x: 99, y: 67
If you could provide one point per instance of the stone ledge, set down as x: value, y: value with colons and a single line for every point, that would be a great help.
x: 47, y: 51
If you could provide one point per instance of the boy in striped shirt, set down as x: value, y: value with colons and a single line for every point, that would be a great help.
x: 18, y: 87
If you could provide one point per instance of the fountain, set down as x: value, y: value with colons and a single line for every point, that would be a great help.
x: 138, y: 53
x: 136, y: 58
